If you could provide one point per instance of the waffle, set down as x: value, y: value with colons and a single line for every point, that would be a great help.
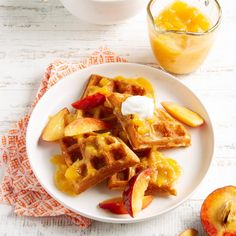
x: 119, y: 180
x: 166, y: 172
x: 98, y: 156
x: 106, y: 86
x: 70, y: 150
x: 98, y: 84
x: 161, y: 131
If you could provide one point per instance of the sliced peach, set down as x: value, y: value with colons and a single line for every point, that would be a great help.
x: 89, y: 102
x: 147, y: 200
x: 183, y: 114
x: 189, y: 232
x: 70, y: 117
x: 85, y: 125
x: 54, y: 129
x: 134, y: 191
x: 218, y: 212
x: 116, y: 205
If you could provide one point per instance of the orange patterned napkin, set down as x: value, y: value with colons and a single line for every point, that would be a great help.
x: 19, y: 186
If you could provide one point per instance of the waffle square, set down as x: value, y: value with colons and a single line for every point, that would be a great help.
x: 99, y: 156
x: 161, y: 131
x: 70, y: 150
x: 106, y: 86
x: 166, y: 172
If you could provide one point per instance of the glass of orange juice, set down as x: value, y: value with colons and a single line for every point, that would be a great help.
x: 181, y: 32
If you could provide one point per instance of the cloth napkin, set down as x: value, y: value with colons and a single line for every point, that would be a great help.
x: 19, y: 186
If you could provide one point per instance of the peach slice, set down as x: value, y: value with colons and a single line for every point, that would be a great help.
x: 134, y: 191
x: 218, y: 212
x: 54, y: 129
x: 183, y: 114
x: 70, y: 118
x: 116, y: 205
x: 89, y: 102
x: 85, y: 125
x: 189, y: 232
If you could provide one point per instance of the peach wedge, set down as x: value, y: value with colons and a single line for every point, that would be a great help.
x: 85, y: 125
x: 183, y: 114
x: 134, y: 191
x: 116, y: 205
x: 54, y: 129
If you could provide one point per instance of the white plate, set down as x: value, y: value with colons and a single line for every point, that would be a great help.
x: 194, y: 160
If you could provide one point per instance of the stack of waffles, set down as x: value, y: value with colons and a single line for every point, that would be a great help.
x: 130, y: 144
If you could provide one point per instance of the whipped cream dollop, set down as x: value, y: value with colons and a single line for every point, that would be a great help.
x: 140, y: 105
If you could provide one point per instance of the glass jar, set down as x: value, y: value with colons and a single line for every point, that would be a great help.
x: 182, y: 52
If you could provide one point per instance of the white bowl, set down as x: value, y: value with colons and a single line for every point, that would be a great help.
x: 104, y: 12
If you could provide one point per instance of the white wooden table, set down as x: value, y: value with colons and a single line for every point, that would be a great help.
x: 34, y: 33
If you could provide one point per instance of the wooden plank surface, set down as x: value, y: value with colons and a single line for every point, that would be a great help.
x: 34, y: 33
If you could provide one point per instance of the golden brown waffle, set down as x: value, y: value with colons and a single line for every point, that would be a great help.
x: 103, y: 85
x: 70, y: 150
x: 99, y: 157
x: 166, y: 172
x: 161, y: 131
x: 119, y: 180
x: 98, y: 84
x: 106, y: 86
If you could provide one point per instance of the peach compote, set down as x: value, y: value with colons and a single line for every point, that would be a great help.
x: 61, y: 182
x: 179, y: 37
x: 183, y: 17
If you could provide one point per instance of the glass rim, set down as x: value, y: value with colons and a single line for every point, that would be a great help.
x: 213, y: 28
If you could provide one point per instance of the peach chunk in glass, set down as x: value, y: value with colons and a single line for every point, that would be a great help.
x: 180, y: 53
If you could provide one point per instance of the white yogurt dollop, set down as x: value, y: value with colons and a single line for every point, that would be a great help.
x: 139, y: 105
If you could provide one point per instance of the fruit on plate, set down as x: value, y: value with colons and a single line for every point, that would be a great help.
x: 117, y: 206
x: 134, y: 191
x: 183, y: 114
x: 85, y: 125
x: 189, y: 232
x: 218, y: 212
x: 89, y: 102
x: 70, y: 117
x: 54, y: 129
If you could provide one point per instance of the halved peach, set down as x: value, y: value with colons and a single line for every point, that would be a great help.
x: 117, y: 206
x: 54, y: 129
x: 189, y: 232
x: 85, y: 125
x: 183, y: 114
x: 218, y: 212
x: 134, y: 191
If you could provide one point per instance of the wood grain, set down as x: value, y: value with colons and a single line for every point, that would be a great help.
x: 34, y: 33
